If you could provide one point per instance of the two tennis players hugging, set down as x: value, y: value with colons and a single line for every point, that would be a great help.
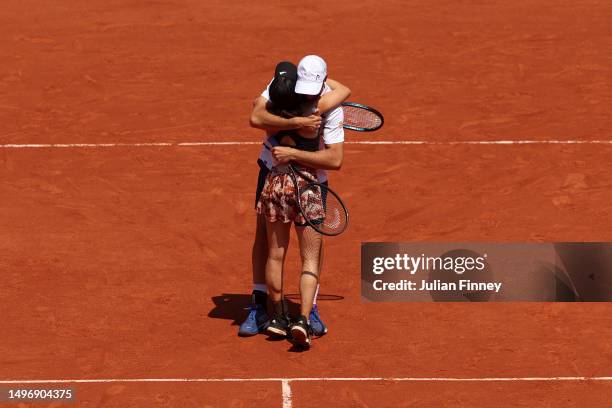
x: 301, y: 115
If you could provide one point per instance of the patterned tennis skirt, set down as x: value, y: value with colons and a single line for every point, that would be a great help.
x: 278, y: 198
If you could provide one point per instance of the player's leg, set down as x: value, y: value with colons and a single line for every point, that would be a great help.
x: 310, y: 245
x: 259, y: 256
x: 257, y: 319
x: 316, y: 323
x: 278, y: 243
x: 310, y: 242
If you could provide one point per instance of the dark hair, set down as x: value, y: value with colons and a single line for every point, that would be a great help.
x: 283, y: 97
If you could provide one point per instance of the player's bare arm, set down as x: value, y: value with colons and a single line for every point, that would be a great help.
x: 262, y: 118
x: 330, y: 158
x: 333, y: 99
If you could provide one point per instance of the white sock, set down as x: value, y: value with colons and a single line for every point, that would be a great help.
x: 262, y: 287
x: 314, y: 302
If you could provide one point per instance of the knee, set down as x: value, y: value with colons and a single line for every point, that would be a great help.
x: 276, y: 254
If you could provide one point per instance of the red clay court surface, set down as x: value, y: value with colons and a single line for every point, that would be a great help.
x: 132, y: 262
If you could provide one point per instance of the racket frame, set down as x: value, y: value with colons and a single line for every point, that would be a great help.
x: 298, y: 192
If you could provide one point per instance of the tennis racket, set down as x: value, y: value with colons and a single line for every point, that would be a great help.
x: 320, y: 206
x: 361, y: 118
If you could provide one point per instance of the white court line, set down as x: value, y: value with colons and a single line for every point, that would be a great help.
x: 356, y: 142
x: 477, y: 142
x: 286, y: 390
x: 303, y: 379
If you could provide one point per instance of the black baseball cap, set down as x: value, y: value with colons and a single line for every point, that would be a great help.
x: 286, y: 69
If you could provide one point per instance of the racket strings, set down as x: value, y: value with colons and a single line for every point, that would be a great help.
x: 323, y: 209
x: 361, y: 117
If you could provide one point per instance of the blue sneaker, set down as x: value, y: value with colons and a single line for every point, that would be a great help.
x: 316, y: 324
x: 256, y: 321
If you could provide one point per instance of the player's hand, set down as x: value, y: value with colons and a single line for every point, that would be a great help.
x: 283, y: 154
x: 310, y: 123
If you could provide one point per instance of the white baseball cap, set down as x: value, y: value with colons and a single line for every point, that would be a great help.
x: 312, y: 71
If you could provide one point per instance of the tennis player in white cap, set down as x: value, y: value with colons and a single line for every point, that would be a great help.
x: 312, y: 73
